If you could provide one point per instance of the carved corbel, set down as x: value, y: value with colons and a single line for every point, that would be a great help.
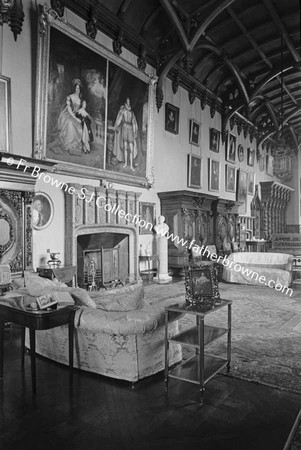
x: 192, y: 94
x: 58, y: 7
x: 159, y: 97
x: 141, y: 60
x: 203, y: 100
x: 117, y: 43
x: 91, y: 29
x: 176, y: 82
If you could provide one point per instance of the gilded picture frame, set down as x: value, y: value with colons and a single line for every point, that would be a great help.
x: 83, y: 91
x: 172, y: 114
x: 194, y: 171
x: 194, y: 132
x: 42, y: 211
x: 214, y: 175
x: 5, y: 114
x: 147, y: 212
x: 230, y: 178
x: 214, y: 140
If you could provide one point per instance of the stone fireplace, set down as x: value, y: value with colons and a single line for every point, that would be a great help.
x: 101, y: 240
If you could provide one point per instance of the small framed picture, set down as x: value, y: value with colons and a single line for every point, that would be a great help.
x: 45, y: 301
x: 240, y: 153
x: 147, y: 213
x: 241, y: 192
x: 230, y: 178
x: 201, y: 285
x: 194, y: 132
x: 251, y: 157
x: 231, y: 148
x: 42, y: 211
x: 251, y: 183
x: 214, y: 169
x: 194, y: 171
x: 214, y: 140
x: 261, y: 163
x: 172, y: 114
x: 269, y: 165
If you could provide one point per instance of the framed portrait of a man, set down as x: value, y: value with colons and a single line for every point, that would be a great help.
x: 42, y: 211
x: 194, y: 132
x: 194, y: 171
x: 230, y: 148
x: 230, y: 178
x: 172, y: 114
x: 214, y: 140
x: 214, y: 171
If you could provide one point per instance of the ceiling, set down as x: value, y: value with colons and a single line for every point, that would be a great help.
x: 241, y: 57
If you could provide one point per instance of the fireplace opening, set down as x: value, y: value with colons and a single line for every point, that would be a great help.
x: 102, y: 259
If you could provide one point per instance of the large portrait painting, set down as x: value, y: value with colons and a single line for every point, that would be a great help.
x: 5, y: 132
x: 95, y: 113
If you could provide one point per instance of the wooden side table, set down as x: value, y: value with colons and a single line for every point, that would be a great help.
x: 13, y: 310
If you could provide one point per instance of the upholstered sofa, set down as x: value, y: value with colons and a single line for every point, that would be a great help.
x: 243, y: 267
x: 117, y: 333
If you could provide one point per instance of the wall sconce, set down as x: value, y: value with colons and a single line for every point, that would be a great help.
x: 11, y: 12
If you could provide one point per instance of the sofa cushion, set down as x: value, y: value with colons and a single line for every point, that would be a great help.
x: 126, y: 298
x: 37, y: 285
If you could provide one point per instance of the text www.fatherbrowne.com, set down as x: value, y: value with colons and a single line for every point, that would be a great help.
x: 204, y: 251
x: 136, y: 220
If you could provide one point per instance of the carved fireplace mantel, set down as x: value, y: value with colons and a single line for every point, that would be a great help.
x: 96, y: 210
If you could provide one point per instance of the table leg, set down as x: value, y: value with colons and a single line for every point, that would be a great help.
x: 1, y: 347
x: 229, y: 339
x: 71, y: 347
x: 166, y: 351
x: 32, y: 338
x: 201, y: 359
x: 22, y: 346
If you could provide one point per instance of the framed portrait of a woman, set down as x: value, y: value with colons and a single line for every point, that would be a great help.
x: 94, y: 110
x: 42, y: 211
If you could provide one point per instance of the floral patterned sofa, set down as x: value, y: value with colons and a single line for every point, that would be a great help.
x: 117, y: 334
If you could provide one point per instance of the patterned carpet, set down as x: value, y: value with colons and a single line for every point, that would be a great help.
x: 266, y: 331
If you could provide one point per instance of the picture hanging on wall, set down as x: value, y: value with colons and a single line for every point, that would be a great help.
x: 5, y: 131
x: 82, y: 100
x: 251, y: 183
x: 230, y: 178
x: 214, y: 170
x: 172, y: 114
x: 240, y: 153
x: 194, y: 171
x: 42, y: 211
x: 242, y: 187
x: 251, y: 157
x: 147, y: 213
x: 194, y: 132
x: 230, y: 148
x: 214, y: 140
x: 269, y: 165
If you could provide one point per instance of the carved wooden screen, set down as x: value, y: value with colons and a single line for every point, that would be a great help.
x: 15, y: 229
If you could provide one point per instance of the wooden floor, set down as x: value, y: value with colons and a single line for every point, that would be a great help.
x: 101, y: 413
